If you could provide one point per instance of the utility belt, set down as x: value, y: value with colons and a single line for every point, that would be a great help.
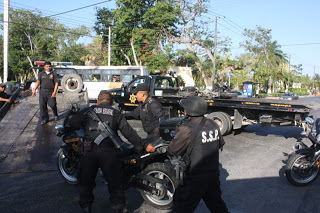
x: 47, y: 90
x: 88, y: 145
x: 181, y: 166
x: 84, y: 147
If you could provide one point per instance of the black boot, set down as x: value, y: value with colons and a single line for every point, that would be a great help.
x: 86, y: 208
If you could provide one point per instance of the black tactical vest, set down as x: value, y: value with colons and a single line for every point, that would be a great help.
x: 205, y: 153
x: 106, y: 113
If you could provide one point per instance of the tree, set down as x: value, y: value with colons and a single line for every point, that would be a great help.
x: 196, y: 35
x: 33, y: 37
x: 266, y: 56
x: 137, y: 31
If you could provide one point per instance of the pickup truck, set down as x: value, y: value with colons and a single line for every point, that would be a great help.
x: 226, y: 109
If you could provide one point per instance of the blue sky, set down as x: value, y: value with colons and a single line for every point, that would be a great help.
x: 292, y: 22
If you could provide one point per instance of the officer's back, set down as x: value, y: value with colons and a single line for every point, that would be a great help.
x: 115, y: 120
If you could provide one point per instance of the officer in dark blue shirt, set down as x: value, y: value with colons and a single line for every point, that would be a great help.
x: 149, y: 112
x: 48, y: 81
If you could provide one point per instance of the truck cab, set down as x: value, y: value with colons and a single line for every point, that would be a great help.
x: 161, y: 87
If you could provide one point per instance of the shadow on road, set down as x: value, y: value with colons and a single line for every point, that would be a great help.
x: 48, y: 192
x: 284, y: 131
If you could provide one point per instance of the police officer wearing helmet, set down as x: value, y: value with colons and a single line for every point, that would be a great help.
x: 48, y: 81
x: 149, y: 112
x: 103, y: 155
x: 201, y: 180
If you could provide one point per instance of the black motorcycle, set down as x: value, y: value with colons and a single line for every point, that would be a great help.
x: 150, y: 173
x: 303, y: 165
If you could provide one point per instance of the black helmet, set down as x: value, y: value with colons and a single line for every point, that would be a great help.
x: 194, y: 106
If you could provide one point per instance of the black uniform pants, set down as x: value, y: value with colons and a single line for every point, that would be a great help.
x: 196, y: 187
x: 105, y: 158
x: 44, y: 100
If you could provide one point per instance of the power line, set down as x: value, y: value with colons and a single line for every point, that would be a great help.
x: 231, y: 30
x: 45, y: 10
x: 77, y: 9
x: 68, y: 20
x: 50, y: 29
x: 299, y: 44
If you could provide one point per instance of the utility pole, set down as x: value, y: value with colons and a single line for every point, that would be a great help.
x: 5, y: 39
x: 289, y: 75
x: 215, y: 52
x: 314, y: 75
x: 109, y: 46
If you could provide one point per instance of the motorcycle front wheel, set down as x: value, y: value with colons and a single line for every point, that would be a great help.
x: 68, y: 168
x: 164, y: 172
x: 300, y: 171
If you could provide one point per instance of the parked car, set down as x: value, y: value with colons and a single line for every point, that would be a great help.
x: 290, y: 96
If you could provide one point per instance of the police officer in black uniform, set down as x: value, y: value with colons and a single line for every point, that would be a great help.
x: 103, y: 155
x: 3, y: 95
x: 149, y: 112
x: 48, y: 81
x: 201, y: 180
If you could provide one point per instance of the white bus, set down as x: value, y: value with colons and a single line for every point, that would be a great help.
x: 97, y: 78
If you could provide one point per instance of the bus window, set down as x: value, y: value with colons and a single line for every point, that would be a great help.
x: 116, y: 78
x: 106, y: 78
x: 95, y: 78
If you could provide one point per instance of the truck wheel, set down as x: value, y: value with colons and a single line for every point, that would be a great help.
x: 221, y: 120
x: 229, y: 121
x: 227, y: 95
x: 71, y: 83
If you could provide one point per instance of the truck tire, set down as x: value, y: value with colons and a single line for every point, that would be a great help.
x: 229, y: 121
x: 221, y: 120
x: 227, y: 95
x: 71, y: 83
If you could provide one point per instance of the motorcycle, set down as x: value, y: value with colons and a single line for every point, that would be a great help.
x: 302, y: 167
x: 150, y: 173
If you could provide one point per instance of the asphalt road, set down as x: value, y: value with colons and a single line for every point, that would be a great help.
x: 252, y: 176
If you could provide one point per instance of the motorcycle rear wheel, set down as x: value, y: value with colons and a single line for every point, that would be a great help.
x: 165, y: 199
x: 299, y: 171
x: 67, y: 168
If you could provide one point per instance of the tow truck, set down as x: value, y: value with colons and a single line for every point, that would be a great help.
x: 225, y: 108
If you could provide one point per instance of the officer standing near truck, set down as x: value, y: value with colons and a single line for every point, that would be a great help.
x: 103, y: 155
x: 48, y: 81
x: 149, y: 112
x: 201, y: 179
